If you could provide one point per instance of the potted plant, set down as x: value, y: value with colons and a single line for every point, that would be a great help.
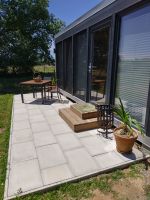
x: 125, y: 135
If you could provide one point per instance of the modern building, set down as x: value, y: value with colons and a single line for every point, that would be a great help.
x: 105, y: 54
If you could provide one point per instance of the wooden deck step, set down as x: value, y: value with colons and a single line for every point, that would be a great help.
x: 84, y: 111
x: 75, y: 122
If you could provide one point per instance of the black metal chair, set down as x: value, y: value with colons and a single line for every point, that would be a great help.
x: 105, y: 117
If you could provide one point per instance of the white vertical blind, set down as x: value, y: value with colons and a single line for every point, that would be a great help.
x: 133, y: 76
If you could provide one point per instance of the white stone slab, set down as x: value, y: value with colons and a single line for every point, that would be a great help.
x: 23, y: 151
x: 20, y: 117
x: 20, y: 111
x: 83, y: 134
x: 31, y: 106
x: 81, y: 162
x: 54, y: 120
x: 36, y: 118
x: 108, y: 160
x: 50, y: 155
x: 40, y: 127
x: 94, y: 145
x: 20, y: 136
x: 61, y: 128
x: 50, y: 113
x: 34, y: 112
x: 68, y: 141
x: 55, y: 174
x: 44, y: 138
x: 128, y: 157
x: 21, y: 125
x: 24, y: 176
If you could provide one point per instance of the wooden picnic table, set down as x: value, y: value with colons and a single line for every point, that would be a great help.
x: 32, y: 83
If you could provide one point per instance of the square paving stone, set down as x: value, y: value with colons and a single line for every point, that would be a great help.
x: 24, y: 176
x: 68, y: 141
x: 34, y: 112
x: 50, y: 113
x: 56, y: 174
x: 134, y: 155
x: 54, y: 120
x: 20, y: 111
x: 23, y: 151
x: 40, y: 127
x: 44, y: 107
x: 31, y: 106
x: 21, y: 125
x: 22, y: 136
x: 81, y: 162
x: 44, y: 138
x: 50, y: 155
x: 94, y: 145
x: 108, y: 160
x: 61, y: 128
x: 83, y: 134
x: 36, y: 118
x: 20, y: 117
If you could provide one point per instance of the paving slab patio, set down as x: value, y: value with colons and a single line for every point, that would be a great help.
x: 44, y: 151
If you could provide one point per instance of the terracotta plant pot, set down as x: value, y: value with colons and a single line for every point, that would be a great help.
x: 124, y: 143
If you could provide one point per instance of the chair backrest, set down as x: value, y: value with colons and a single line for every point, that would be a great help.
x: 105, y: 116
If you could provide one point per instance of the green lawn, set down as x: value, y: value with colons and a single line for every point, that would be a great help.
x: 5, y: 117
x: 103, y: 186
x: 44, y: 68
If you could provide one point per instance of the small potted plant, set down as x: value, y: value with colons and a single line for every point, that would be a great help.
x: 125, y: 135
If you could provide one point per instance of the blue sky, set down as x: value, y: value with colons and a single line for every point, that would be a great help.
x: 70, y: 10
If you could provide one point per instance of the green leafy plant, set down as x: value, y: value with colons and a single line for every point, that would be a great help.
x: 54, y: 81
x: 128, y: 122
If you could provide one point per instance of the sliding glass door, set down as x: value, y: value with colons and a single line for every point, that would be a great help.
x: 68, y: 65
x: 99, y: 63
x: 80, y: 65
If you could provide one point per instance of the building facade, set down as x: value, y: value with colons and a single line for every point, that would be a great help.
x: 105, y: 54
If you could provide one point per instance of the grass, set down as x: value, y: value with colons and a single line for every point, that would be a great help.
x: 44, y: 69
x: 69, y: 191
x: 5, y: 117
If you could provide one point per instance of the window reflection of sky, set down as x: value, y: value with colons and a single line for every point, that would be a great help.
x: 135, y: 33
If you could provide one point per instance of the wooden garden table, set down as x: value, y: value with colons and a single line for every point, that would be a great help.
x: 32, y: 83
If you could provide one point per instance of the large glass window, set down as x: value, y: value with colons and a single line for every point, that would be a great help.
x: 59, y: 64
x: 100, y: 62
x: 80, y: 65
x: 133, y: 76
x: 68, y: 65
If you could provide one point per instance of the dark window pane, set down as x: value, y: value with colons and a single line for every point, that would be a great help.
x: 100, y: 63
x: 133, y: 75
x: 68, y: 84
x: 80, y: 65
x: 59, y: 65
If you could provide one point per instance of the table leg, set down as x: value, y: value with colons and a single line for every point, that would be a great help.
x: 45, y: 92
x: 42, y: 95
x: 22, y: 94
x: 33, y: 88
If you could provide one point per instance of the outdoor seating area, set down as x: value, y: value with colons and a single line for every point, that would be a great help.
x: 45, y: 86
x: 45, y: 152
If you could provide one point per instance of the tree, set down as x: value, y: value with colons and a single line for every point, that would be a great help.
x: 26, y: 33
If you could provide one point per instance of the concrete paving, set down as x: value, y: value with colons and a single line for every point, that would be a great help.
x: 44, y: 152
